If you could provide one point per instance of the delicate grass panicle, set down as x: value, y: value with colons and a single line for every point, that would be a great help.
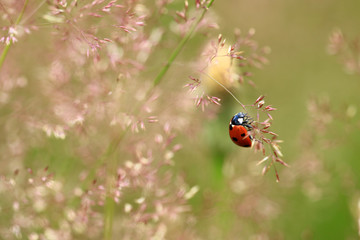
x: 348, y: 51
x: 81, y: 92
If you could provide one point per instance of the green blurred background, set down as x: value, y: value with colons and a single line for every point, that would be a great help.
x: 301, y: 69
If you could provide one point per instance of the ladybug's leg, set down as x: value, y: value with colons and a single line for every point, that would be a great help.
x: 248, y: 126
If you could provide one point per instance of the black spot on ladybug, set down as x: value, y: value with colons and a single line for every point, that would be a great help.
x: 234, y: 139
x: 230, y: 127
x: 246, y: 145
x: 243, y: 134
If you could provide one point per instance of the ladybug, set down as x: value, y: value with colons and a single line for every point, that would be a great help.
x: 238, y: 130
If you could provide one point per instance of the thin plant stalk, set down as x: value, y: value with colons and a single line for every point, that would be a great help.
x: 180, y: 46
x: 4, y: 53
x: 109, y: 204
x: 242, y: 105
x: 7, y: 47
x: 109, y: 217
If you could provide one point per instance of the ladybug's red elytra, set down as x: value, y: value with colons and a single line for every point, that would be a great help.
x: 238, y: 130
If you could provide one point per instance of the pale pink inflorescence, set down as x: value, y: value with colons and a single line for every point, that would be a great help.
x: 84, y: 90
x: 347, y: 50
x: 80, y: 100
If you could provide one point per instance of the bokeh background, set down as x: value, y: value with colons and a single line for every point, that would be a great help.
x: 317, y: 101
x: 301, y: 69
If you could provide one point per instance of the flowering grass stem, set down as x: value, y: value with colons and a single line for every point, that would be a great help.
x: 109, y: 204
x: 4, y: 53
x: 180, y: 46
x: 7, y: 46
x: 111, y: 170
x: 29, y: 15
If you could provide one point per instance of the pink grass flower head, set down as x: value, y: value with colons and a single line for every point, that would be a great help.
x: 119, y: 146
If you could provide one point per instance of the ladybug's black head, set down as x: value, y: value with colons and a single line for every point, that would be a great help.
x: 241, y: 119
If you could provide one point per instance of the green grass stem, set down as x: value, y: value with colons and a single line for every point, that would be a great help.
x: 7, y: 47
x: 180, y: 46
x: 109, y: 204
